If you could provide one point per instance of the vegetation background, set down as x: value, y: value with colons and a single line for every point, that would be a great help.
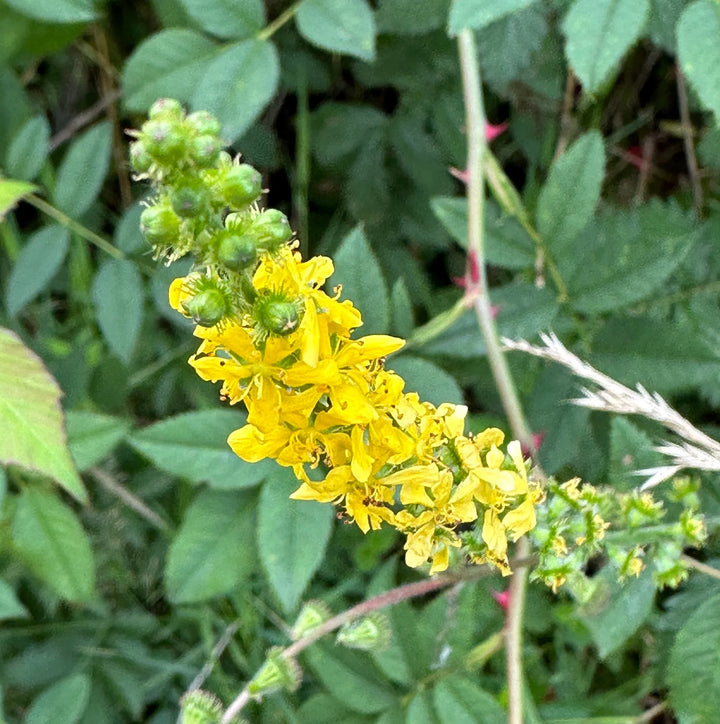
x: 116, y: 585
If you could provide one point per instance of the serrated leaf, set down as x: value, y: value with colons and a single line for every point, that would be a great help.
x: 599, y: 33
x: 10, y: 607
x: 460, y: 701
x: 431, y: 382
x: 31, y: 418
x: 29, y: 149
x: 479, y: 13
x: 238, y: 84
x: 339, y: 130
x: 91, y: 436
x: 660, y: 355
x: 290, y: 559
x: 617, y: 610
x: 118, y: 294
x: 56, y: 11
x: 628, y: 255
x: 340, y: 26
x: 699, y: 51
x: 358, y: 271
x: 170, y: 63
x: 694, y: 666
x: 194, y: 446
x: 83, y: 170
x: 36, y: 264
x: 568, y: 198
x: 351, y: 679
x: 63, y: 703
x: 214, y: 549
x: 49, y: 538
x: 227, y: 18
x: 11, y: 192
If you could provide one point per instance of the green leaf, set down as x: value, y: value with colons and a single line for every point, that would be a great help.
x: 350, y: 678
x: 10, y: 607
x: 170, y: 63
x: 479, y: 13
x: 63, y: 703
x: 403, y: 319
x: 506, y: 47
x: 11, y: 192
x: 29, y: 149
x: 340, y: 26
x: 49, y: 538
x: 82, y: 171
x: 214, y: 549
x: 568, y: 198
x: 693, y: 672
x: 699, y: 51
x: 523, y: 310
x: 290, y: 559
x: 431, y: 382
x: 118, y: 295
x: 507, y: 244
x: 460, y: 701
x: 36, y: 264
x: 410, y: 17
x: 599, y: 33
x: 617, y: 610
x: 664, y: 17
x: 358, y: 271
x: 630, y: 450
x: 91, y: 436
x: 660, y: 355
x: 31, y: 418
x: 227, y: 18
x: 56, y: 11
x: 628, y: 255
x: 238, y: 84
x: 193, y: 446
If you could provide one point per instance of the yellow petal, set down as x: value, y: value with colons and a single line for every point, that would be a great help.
x: 361, y: 461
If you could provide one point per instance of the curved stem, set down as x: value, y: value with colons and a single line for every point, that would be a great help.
x: 477, y: 289
x: 389, y: 598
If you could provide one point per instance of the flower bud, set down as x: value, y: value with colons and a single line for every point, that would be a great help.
x: 200, y: 707
x: 164, y: 140
x: 189, y: 200
x: 205, y: 150
x: 166, y: 108
x: 312, y: 615
x: 207, y: 307
x: 240, y: 186
x: 160, y: 225
x: 203, y: 123
x: 140, y: 159
x: 237, y: 251
x: 277, y: 315
x: 369, y: 633
x: 271, y: 228
x: 276, y: 673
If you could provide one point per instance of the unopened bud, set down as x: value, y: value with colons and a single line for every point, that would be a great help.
x: 312, y: 615
x: 205, y: 150
x: 369, y: 633
x: 271, y: 228
x: 207, y: 307
x: 203, y: 123
x: 164, y: 140
x: 190, y: 200
x: 278, y: 672
x: 140, y: 159
x: 160, y: 225
x: 166, y: 108
x: 200, y: 707
x: 237, y: 252
x: 241, y: 185
x: 277, y: 316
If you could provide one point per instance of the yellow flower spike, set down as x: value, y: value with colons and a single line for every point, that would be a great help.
x: 487, y: 438
x: 362, y: 462
x: 493, y: 533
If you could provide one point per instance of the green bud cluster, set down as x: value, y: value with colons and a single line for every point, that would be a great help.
x: 581, y: 522
x: 205, y: 203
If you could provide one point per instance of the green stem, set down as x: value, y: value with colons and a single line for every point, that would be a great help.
x: 82, y: 231
x: 271, y: 28
x: 477, y: 290
x: 302, y: 164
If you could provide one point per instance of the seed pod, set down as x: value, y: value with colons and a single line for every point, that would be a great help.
x: 237, y: 251
x: 240, y: 186
x: 207, y: 307
x: 160, y: 225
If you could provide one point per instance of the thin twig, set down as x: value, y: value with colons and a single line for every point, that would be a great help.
x: 215, y: 654
x: 700, y: 566
x: 687, y: 131
x: 109, y: 483
x: 83, y: 119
